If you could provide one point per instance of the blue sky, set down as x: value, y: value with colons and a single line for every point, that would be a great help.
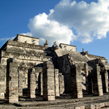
x: 81, y: 23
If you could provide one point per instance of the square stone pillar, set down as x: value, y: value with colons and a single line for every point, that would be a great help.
x: 13, y: 82
x: 61, y: 84
x: 76, y: 85
x: 106, y: 80
x: 48, y: 81
x: 32, y: 84
x: 41, y: 83
x: 2, y: 81
x: 86, y: 76
x: 86, y: 69
x: 90, y: 84
x: 20, y: 82
x: 57, y: 82
x: 97, y: 81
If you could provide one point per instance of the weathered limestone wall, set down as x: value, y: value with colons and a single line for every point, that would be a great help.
x: 27, y: 39
x: 48, y: 81
x: 20, y: 44
x: 2, y: 81
x: 26, y: 50
x: 3, y: 61
x: 28, y: 53
x: 24, y: 56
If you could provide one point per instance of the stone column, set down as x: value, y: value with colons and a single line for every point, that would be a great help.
x: 2, y: 81
x: 13, y: 82
x: 97, y: 82
x: 41, y: 83
x: 32, y: 84
x: 86, y: 69
x: 76, y: 85
x: 57, y: 82
x: 86, y: 75
x: 61, y: 84
x: 48, y: 81
x: 90, y: 84
x: 20, y: 82
x: 106, y: 80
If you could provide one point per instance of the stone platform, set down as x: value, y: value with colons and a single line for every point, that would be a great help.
x: 95, y: 102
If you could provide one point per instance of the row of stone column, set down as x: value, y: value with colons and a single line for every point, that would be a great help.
x: 51, y: 81
x: 98, y: 81
x: 94, y: 82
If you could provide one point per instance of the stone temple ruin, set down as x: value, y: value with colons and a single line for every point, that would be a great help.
x: 31, y: 70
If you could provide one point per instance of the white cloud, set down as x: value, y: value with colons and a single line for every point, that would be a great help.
x: 40, y: 26
x: 89, y: 20
x: 27, y: 34
x: 5, y: 39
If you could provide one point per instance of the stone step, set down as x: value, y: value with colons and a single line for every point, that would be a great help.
x: 95, y: 102
x: 86, y: 101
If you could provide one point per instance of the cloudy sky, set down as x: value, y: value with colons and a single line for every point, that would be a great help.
x: 84, y: 24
